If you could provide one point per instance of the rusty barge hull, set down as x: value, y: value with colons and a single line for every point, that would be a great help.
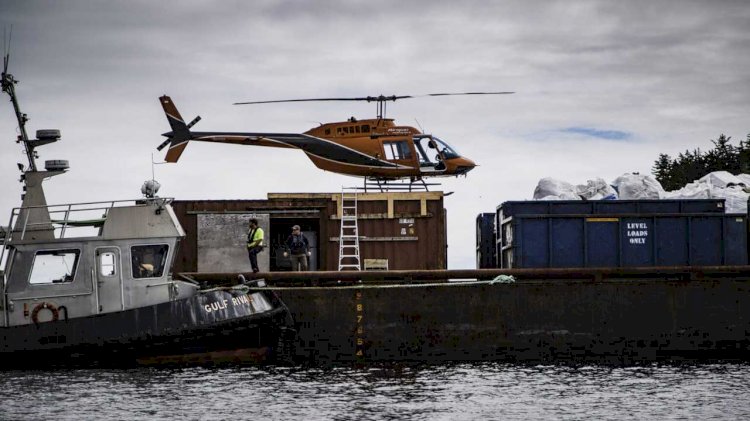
x: 612, y: 316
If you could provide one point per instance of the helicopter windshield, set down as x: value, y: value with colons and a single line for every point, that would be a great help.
x: 446, y: 149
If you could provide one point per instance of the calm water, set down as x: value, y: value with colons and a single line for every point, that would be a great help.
x: 456, y: 392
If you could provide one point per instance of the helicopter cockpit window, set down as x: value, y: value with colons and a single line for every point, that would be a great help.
x: 396, y: 150
x: 424, y: 157
x: 54, y: 266
x: 149, y: 260
x: 446, y: 149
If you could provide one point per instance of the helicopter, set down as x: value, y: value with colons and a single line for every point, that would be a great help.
x: 376, y: 149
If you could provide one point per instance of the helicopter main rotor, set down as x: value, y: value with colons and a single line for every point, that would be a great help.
x: 380, y: 99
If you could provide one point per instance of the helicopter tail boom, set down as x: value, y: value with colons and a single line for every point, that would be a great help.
x: 180, y: 135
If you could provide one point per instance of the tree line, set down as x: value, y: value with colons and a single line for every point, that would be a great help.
x: 673, y: 174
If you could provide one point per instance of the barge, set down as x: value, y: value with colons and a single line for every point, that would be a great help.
x: 576, y: 315
x: 675, y: 290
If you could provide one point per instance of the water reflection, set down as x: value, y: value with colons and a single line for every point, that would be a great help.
x: 455, y: 392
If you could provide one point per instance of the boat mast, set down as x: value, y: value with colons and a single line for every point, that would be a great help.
x: 8, y: 85
x: 33, y: 218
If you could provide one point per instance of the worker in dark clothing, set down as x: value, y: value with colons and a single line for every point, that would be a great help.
x: 299, y: 248
x: 254, y: 243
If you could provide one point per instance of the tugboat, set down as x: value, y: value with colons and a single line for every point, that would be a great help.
x: 89, y: 284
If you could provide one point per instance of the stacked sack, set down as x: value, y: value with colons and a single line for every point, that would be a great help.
x: 553, y: 189
x: 716, y: 185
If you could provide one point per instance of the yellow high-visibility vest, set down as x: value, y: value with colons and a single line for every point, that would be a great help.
x: 257, y: 238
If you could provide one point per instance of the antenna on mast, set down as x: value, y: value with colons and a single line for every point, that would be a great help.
x: 6, y: 48
x: 151, y: 187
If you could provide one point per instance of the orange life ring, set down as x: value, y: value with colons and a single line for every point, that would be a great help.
x: 48, y: 306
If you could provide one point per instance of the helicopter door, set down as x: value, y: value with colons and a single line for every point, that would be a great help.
x: 399, y: 151
x: 109, y: 279
x: 431, y: 157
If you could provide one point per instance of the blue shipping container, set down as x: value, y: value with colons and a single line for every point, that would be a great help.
x: 542, y: 241
x: 486, y: 241
x: 608, y: 207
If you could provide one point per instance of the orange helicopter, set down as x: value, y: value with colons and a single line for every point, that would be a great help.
x: 376, y: 149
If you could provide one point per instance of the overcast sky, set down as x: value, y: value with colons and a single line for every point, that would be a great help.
x: 601, y: 89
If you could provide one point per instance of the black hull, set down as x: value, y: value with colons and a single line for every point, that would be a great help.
x: 173, y: 333
x: 623, y: 321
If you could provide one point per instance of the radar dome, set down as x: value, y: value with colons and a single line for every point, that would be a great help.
x: 150, y: 188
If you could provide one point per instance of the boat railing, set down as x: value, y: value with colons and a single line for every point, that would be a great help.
x: 72, y: 220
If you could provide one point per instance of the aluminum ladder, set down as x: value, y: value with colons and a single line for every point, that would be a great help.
x: 349, y: 234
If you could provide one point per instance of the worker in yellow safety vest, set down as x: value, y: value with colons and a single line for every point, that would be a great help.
x: 254, y: 243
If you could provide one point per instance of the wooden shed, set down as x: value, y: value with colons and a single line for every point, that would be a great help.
x: 397, y: 231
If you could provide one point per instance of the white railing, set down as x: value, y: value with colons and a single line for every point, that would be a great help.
x: 83, y: 219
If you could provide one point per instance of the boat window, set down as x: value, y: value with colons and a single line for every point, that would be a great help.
x: 107, y: 264
x: 397, y: 150
x: 54, y: 266
x: 149, y: 260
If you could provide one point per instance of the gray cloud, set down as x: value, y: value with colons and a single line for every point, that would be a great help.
x: 671, y: 73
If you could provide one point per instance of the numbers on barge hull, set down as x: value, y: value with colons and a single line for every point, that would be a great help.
x: 359, y: 339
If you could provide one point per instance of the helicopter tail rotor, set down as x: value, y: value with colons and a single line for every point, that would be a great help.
x: 178, y: 138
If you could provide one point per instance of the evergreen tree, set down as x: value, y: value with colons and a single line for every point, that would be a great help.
x: 663, y: 169
x: 723, y: 156
x: 743, y: 153
x: 689, y: 166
